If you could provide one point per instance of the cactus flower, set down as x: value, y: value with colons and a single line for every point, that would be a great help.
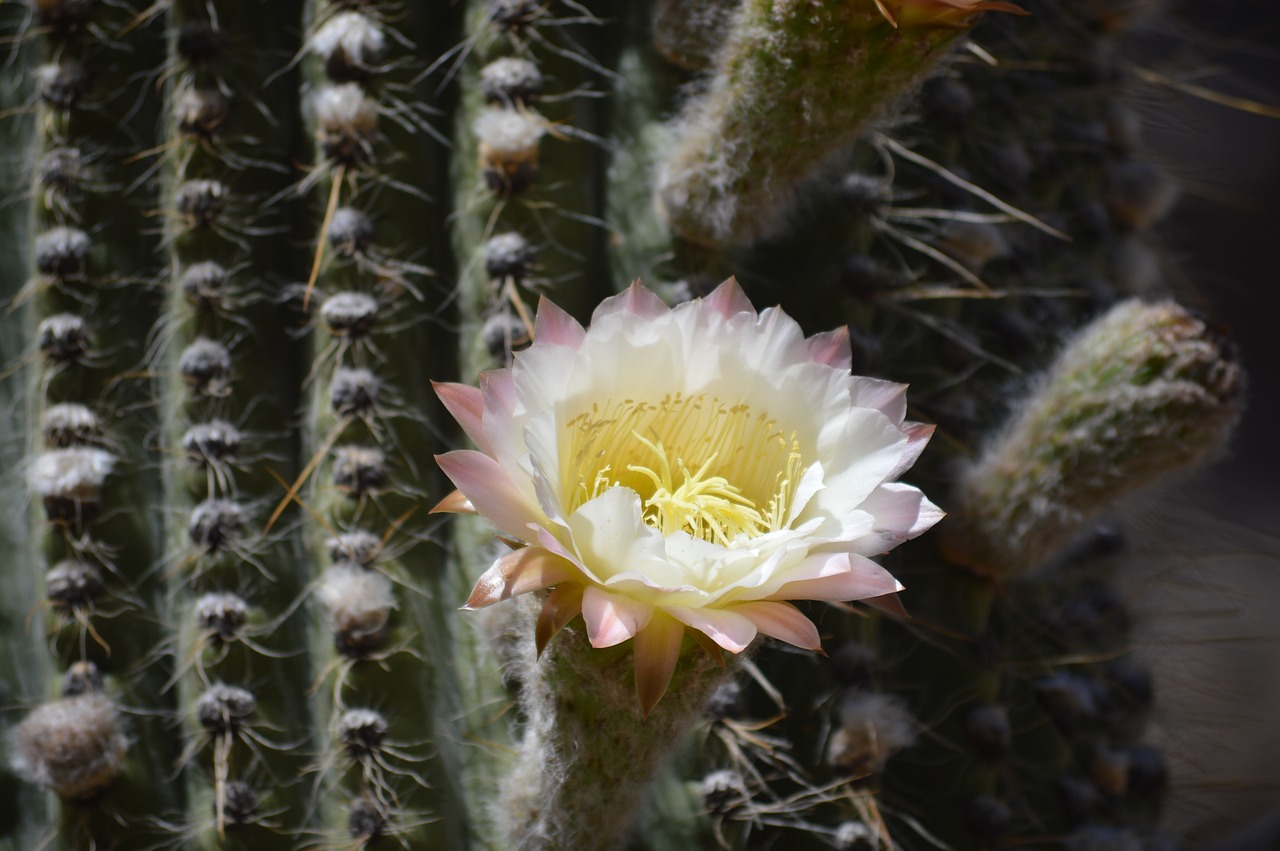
x: 692, y: 467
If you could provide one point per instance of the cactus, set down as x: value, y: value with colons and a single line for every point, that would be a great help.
x: 247, y: 237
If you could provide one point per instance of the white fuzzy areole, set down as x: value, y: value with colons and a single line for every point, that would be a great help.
x: 513, y: 133
x: 345, y: 107
x: 356, y: 35
x: 75, y: 471
x: 356, y: 598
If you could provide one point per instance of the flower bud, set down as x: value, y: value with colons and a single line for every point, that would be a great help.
x: 1146, y: 391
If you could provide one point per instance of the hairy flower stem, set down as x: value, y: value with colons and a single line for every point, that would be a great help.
x: 588, y: 755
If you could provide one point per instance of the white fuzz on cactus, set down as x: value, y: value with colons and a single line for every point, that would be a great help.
x: 510, y: 81
x: 347, y: 123
x: 349, y: 38
x: 74, y: 746
x: 61, y: 252
x: 509, y: 140
x: 76, y: 474
x: 359, y: 603
x: 871, y: 727
x: 1145, y: 391
x: 70, y: 424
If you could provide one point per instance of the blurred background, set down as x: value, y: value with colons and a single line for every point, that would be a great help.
x: 1207, y: 596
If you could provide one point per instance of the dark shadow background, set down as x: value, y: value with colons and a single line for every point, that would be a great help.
x: 1208, y: 588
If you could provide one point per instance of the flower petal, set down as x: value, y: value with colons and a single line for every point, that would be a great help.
x: 918, y: 435
x: 728, y: 299
x: 859, y: 456
x: 466, y: 404
x: 887, y: 397
x: 782, y: 621
x: 501, y: 429
x: 611, y: 618
x: 832, y: 348
x: 562, y: 605
x: 725, y: 627
x: 455, y: 503
x: 541, y: 375
x: 516, y: 573
x: 901, y: 513
x: 863, y: 579
x: 657, y: 650
x: 888, y: 603
x: 555, y: 326
x: 611, y: 537
x: 637, y: 300
x: 490, y: 490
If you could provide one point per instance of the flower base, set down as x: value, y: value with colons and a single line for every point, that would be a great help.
x: 588, y: 753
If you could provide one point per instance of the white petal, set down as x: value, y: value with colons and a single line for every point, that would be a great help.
x: 611, y: 537
x: 901, y: 513
x: 887, y: 397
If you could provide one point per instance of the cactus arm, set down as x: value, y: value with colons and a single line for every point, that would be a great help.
x: 819, y: 72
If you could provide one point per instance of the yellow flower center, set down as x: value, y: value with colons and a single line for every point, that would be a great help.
x: 716, y: 470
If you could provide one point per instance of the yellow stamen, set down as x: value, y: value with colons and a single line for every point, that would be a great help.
x: 743, y: 463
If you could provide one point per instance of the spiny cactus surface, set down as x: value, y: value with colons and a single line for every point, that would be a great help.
x: 260, y: 254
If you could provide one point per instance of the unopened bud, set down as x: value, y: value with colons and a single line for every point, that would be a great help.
x: 1146, y: 391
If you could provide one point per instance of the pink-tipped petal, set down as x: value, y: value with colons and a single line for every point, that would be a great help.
x: 562, y: 605
x: 918, y: 435
x: 890, y: 604
x: 636, y: 300
x: 490, y: 489
x: 728, y: 299
x: 710, y: 647
x: 725, y: 627
x: 611, y: 618
x: 864, y: 579
x: 832, y: 348
x: 519, y: 572
x: 657, y: 650
x: 499, y: 390
x: 555, y: 326
x: 466, y: 405
x: 901, y: 513
x: 455, y: 503
x: 500, y: 401
x: 782, y: 621
x: 887, y: 397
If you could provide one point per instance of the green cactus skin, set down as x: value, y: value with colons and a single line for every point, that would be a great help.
x: 107, y: 287
x: 24, y: 811
x: 410, y: 676
x: 1005, y: 710
x: 224, y: 127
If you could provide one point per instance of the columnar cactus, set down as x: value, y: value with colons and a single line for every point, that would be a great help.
x: 260, y: 256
